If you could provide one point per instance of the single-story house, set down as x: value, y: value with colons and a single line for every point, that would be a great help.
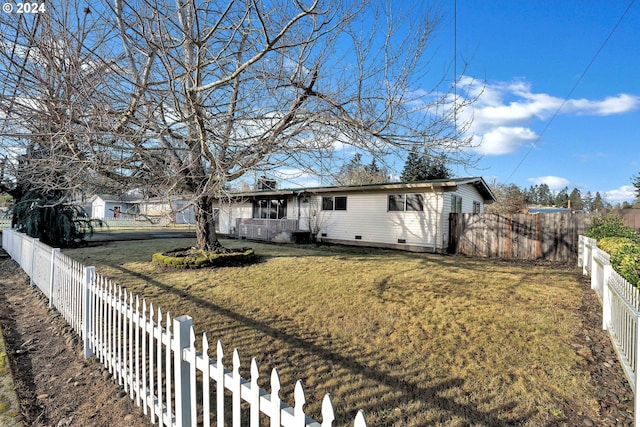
x: 412, y: 216
x: 132, y: 207
x: 108, y: 206
x: 174, y: 210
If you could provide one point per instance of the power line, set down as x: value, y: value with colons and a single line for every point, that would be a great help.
x: 566, y: 98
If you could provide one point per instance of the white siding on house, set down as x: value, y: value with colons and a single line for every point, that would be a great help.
x: 104, y: 209
x: 229, y: 214
x: 97, y: 209
x: 367, y: 216
x: 469, y: 194
x: 367, y: 219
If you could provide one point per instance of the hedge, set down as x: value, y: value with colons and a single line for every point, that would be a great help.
x: 621, y: 242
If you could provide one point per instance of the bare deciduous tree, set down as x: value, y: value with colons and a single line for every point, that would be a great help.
x: 185, y: 97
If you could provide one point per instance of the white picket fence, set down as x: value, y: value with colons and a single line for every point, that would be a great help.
x: 620, y: 311
x: 152, y: 355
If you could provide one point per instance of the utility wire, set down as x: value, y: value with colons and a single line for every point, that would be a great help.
x: 566, y: 98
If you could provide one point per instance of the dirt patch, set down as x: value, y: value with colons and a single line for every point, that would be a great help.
x: 56, y: 386
x: 612, y: 390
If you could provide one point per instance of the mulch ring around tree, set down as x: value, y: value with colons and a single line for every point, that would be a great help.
x: 199, y: 258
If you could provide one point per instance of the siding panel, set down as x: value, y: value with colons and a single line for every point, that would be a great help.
x: 367, y: 216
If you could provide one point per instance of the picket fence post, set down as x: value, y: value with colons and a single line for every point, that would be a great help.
x: 606, y: 297
x: 594, y: 271
x: 636, y: 392
x: 52, y: 269
x: 587, y: 256
x: 33, y: 261
x: 88, y: 279
x: 580, y: 251
x: 360, y: 420
x: 181, y: 370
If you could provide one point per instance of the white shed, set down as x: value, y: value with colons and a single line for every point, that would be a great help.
x: 108, y: 206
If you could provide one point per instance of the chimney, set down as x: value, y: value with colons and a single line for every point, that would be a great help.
x: 266, y: 184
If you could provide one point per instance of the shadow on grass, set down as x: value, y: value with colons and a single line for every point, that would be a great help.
x: 390, y: 389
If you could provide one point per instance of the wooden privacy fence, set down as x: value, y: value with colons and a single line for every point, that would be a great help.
x: 152, y: 355
x: 552, y: 237
x: 620, y: 311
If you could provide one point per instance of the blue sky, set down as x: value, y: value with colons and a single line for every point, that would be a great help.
x: 531, y: 126
x: 558, y: 104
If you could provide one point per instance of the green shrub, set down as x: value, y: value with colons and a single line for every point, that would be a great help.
x: 612, y: 244
x: 610, y: 226
x: 48, y: 217
x: 194, y: 258
x: 625, y: 257
x: 619, y: 241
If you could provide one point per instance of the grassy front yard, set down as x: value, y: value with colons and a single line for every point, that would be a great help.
x: 413, y: 339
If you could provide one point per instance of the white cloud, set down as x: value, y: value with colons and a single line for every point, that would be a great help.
x: 608, y: 106
x: 501, y: 116
x: 504, y: 140
x: 625, y: 193
x: 555, y: 183
x: 296, y: 178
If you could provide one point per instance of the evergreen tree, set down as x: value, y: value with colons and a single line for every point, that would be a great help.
x: 424, y: 167
x: 52, y: 220
x: 562, y: 198
x: 587, y: 201
x: 576, y: 200
x: 598, y: 203
x: 437, y: 167
x: 355, y: 173
x: 636, y: 183
x: 529, y: 196
x: 544, y: 196
x: 412, y: 166
x: 375, y: 173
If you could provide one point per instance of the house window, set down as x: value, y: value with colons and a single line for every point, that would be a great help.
x: 270, y: 208
x: 456, y: 204
x: 405, y: 202
x: 334, y: 203
x: 476, y: 207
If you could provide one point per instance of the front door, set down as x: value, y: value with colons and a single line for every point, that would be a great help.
x: 303, y: 219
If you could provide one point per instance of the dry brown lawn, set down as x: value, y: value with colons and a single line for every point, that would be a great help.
x: 413, y: 339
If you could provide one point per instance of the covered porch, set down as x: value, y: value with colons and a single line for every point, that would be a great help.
x: 268, y: 229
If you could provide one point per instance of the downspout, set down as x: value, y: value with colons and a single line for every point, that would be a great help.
x: 298, y: 199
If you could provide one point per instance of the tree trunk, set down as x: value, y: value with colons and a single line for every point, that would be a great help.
x: 206, y: 237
